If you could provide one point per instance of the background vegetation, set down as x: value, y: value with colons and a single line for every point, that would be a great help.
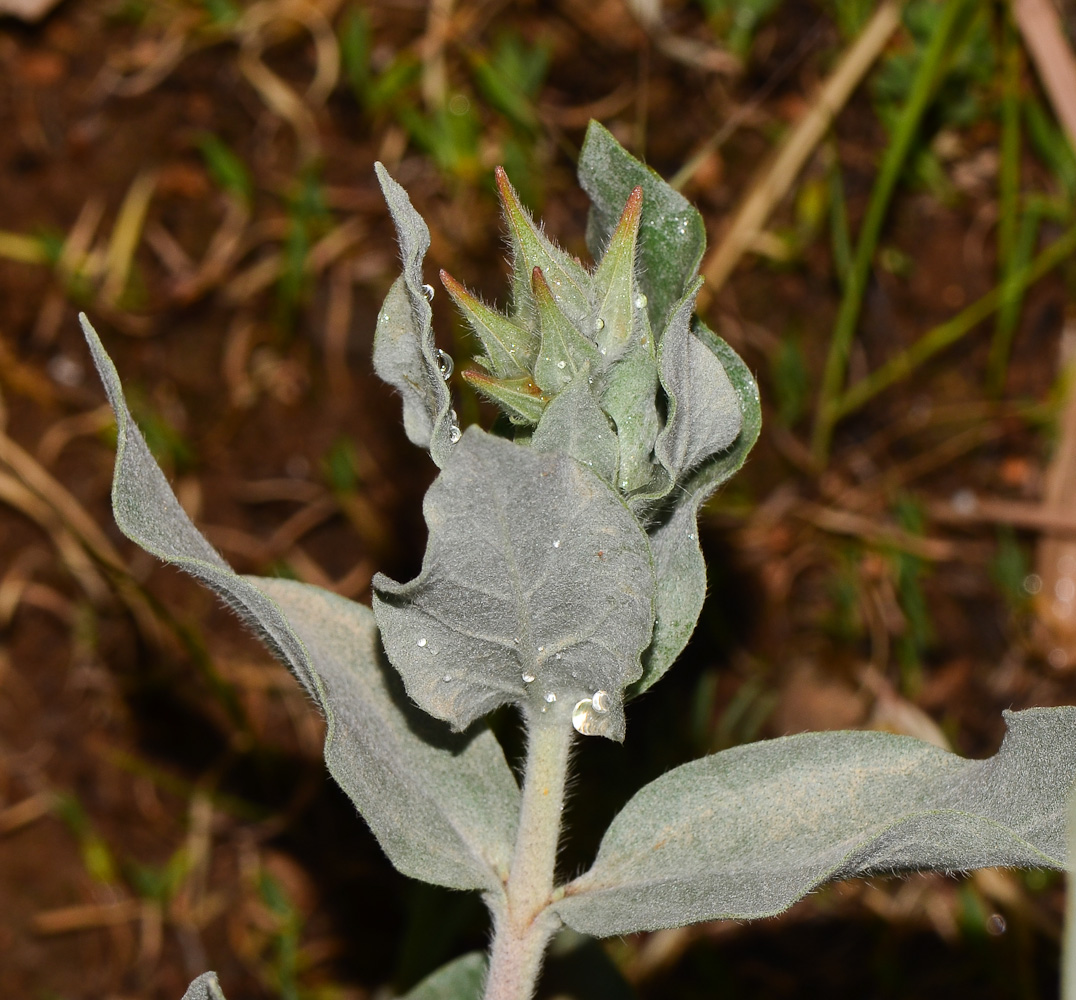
x: 889, y: 192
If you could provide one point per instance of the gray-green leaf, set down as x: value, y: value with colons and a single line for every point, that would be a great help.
x: 672, y: 236
x: 205, y: 987
x: 443, y: 807
x: 405, y: 355
x: 747, y: 832
x: 704, y: 409
x: 460, y: 979
x: 536, y: 582
x: 678, y: 563
x: 630, y: 398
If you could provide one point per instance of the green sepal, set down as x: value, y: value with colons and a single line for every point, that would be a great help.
x: 615, y: 324
x: 510, y: 349
x: 573, y: 423
x: 630, y: 398
x: 565, y: 354
x: 520, y: 398
x: 531, y: 249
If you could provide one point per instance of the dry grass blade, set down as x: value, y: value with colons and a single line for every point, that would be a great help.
x: 126, y: 235
x: 87, y: 917
x: 1045, y: 39
x: 774, y: 180
x: 23, y: 813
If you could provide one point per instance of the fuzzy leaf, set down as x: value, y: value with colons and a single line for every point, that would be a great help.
x: 630, y: 398
x: 460, y: 979
x: 672, y: 236
x: 574, y: 424
x: 534, y: 568
x: 205, y: 987
x: 747, y: 832
x: 443, y: 807
x: 704, y: 409
x: 678, y: 563
x: 520, y: 398
x: 405, y: 355
x: 615, y: 321
x: 565, y: 354
x: 509, y: 348
x: 530, y: 249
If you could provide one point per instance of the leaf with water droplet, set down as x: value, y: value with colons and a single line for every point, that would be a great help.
x: 519, y: 398
x: 678, y: 561
x: 444, y: 807
x: 630, y: 398
x: 563, y: 350
x: 461, y: 979
x: 405, y: 355
x: 704, y: 409
x: 672, y: 236
x: 574, y: 424
x: 510, y: 349
x: 493, y: 589
x: 530, y: 249
x: 614, y: 282
x: 745, y: 833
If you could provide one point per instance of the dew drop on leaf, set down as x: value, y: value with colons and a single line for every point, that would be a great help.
x: 428, y: 289
x: 445, y: 364
x: 640, y: 301
x: 422, y: 642
x: 599, y: 324
x: 528, y: 677
x: 550, y: 697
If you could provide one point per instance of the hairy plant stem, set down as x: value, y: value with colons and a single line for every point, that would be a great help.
x: 523, y: 930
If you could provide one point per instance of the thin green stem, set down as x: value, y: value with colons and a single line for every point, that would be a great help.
x: 523, y: 930
x: 949, y: 332
x: 1013, y: 252
x: 929, y: 72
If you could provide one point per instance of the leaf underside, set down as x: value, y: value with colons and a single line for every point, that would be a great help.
x: 460, y: 979
x: 405, y: 355
x: 745, y: 833
x: 537, y: 581
x: 443, y: 807
x: 678, y: 563
x: 205, y: 987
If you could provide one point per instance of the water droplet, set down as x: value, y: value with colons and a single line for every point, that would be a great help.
x: 422, y: 642
x: 623, y: 484
x: 528, y: 677
x: 556, y: 543
x: 447, y: 678
x: 561, y: 364
x: 454, y: 434
x: 599, y: 324
x: 445, y: 364
x: 995, y: 924
x: 640, y: 301
x: 428, y: 289
x: 515, y: 639
x: 691, y: 535
x: 556, y: 656
x: 600, y: 700
x: 541, y: 649
x: 550, y: 697
x: 602, y: 350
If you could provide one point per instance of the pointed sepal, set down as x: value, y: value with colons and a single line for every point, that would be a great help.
x: 617, y: 319
x: 510, y: 349
x: 520, y: 398
x: 564, y: 354
x: 530, y: 249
